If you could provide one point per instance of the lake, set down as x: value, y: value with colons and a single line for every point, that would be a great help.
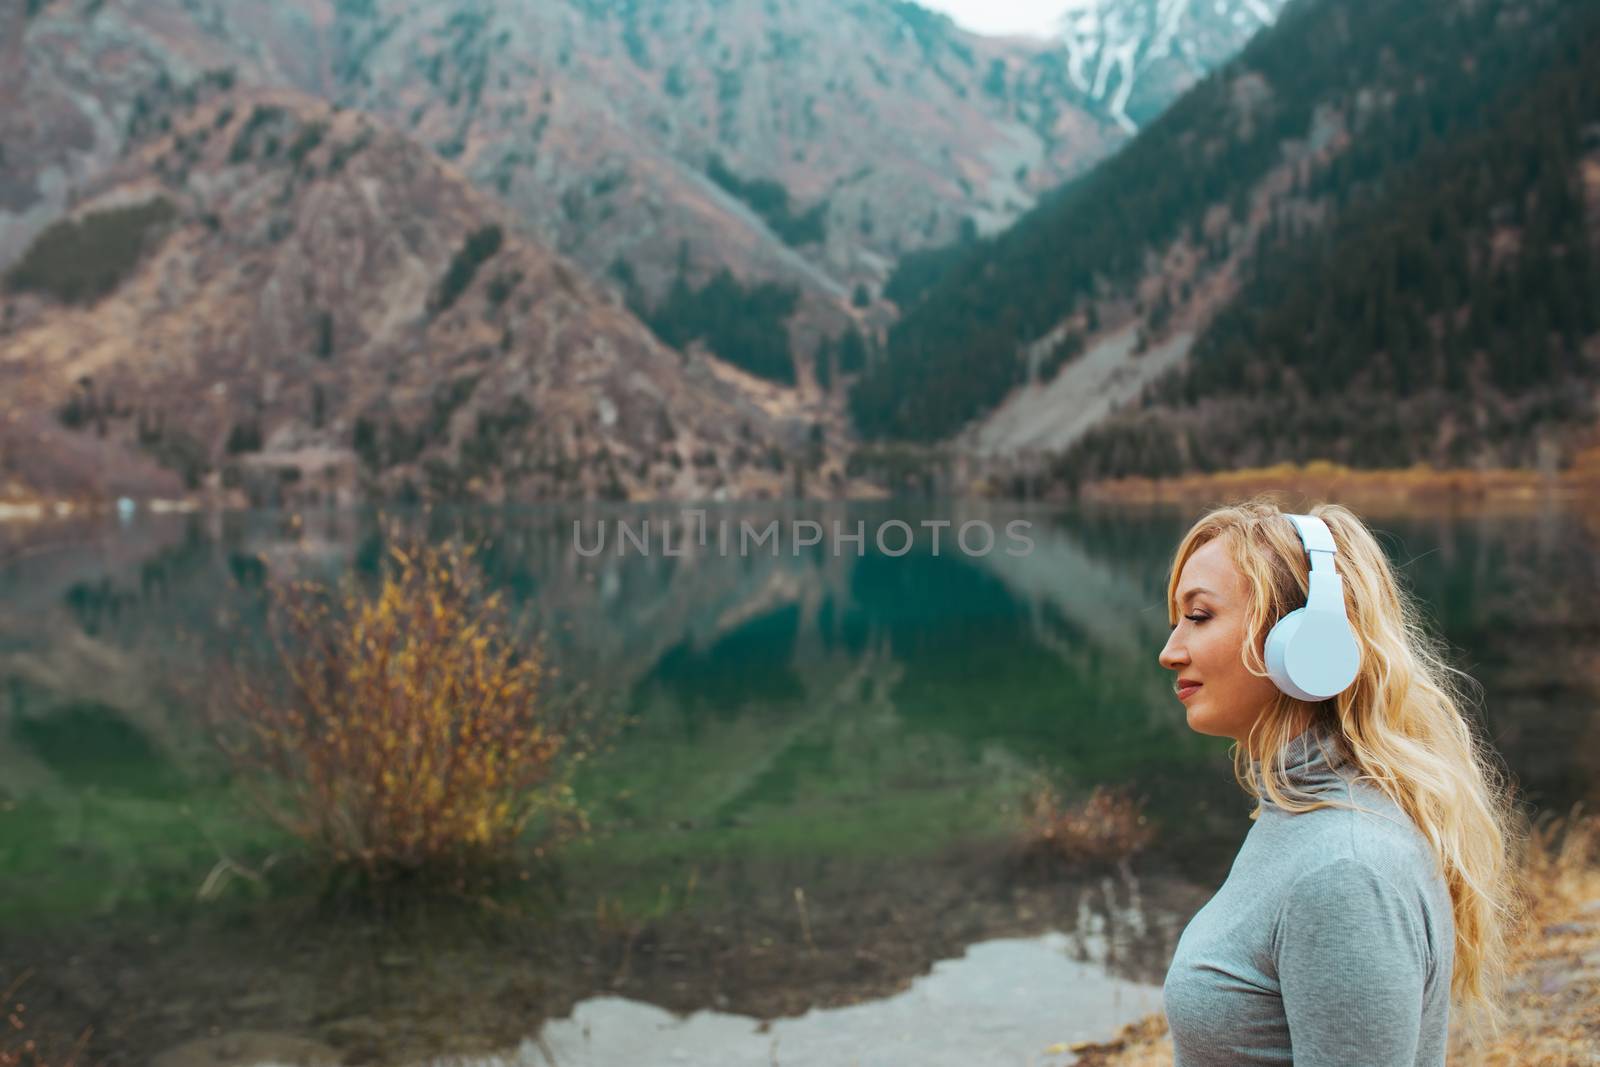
x: 810, y: 809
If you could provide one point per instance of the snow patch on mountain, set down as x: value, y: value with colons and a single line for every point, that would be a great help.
x: 1131, y: 54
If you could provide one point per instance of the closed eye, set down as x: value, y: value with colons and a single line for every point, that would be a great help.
x: 1197, y: 618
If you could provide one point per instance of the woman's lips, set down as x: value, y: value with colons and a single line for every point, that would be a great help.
x: 1188, y: 690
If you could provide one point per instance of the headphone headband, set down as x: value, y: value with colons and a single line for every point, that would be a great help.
x: 1314, y: 533
x: 1326, y: 588
x: 1311, y: 653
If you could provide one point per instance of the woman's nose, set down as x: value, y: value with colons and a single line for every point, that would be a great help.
x: 1173, y: 654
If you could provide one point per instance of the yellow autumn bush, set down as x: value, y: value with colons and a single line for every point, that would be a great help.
x: 404, y: 730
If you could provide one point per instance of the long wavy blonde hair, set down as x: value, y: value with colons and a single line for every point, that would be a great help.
x: 1401, y: 723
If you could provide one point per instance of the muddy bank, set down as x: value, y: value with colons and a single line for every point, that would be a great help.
x: 479, y: 981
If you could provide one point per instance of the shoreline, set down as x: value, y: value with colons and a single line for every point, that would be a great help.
x: 1507, y: 488
x: 1511, y: 488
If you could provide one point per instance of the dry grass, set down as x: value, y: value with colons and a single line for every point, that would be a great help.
x: 1140, y: 1044
x: 19, y: 1048
x: 1551, y: 1013
x: 1108, y: 826
x: 1376, y: 490
x: 1552, y: 1004
x: 404, y: 732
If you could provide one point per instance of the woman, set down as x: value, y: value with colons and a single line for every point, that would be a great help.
x: 1373, y: 885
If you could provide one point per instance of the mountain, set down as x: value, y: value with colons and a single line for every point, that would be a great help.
x: 805, y: 145
x: 1369, y: 238
x: 1137, y: 56
x: 742, y: 179
x: 281, y: 297
x: 72, y: 75
x: 886, y: 122
x: 1449, y: 314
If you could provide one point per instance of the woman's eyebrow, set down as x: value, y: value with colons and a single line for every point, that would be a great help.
x: 1196, y: 591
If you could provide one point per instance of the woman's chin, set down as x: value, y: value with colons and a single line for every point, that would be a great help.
x: 1201, y: 723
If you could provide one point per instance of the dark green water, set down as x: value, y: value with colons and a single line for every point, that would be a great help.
x: 828, y: 717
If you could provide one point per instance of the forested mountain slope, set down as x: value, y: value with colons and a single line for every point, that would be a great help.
x: 1448, y: 316
x: 1360, y: 168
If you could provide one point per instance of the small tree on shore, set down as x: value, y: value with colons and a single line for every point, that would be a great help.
x: 405, y: 734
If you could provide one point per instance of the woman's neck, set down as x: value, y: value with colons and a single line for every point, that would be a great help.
x: 1258, y: 745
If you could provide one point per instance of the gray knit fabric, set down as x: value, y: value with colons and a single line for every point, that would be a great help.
x: 1330, y: 943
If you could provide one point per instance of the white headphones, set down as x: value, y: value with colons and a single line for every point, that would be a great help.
x: 1311, y: 652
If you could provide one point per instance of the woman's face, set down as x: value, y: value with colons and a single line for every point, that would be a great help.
x: 1206, y: 647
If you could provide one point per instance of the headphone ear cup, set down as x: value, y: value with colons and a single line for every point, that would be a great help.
x: 1278, y: 639
x: 1318, y: 658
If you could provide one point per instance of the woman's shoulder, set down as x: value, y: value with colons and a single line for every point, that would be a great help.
x: 1364, y: 829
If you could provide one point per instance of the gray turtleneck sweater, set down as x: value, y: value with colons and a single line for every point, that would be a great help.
x: 1330, y: 943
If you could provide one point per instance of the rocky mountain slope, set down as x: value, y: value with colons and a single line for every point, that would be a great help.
x: 287, y: 298
x: 802, y: 143
x: 883, y: 120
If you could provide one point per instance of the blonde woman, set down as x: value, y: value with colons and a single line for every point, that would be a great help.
x: 1372, y: 888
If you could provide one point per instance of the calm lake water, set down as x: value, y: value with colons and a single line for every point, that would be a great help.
x: 814, y: 797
